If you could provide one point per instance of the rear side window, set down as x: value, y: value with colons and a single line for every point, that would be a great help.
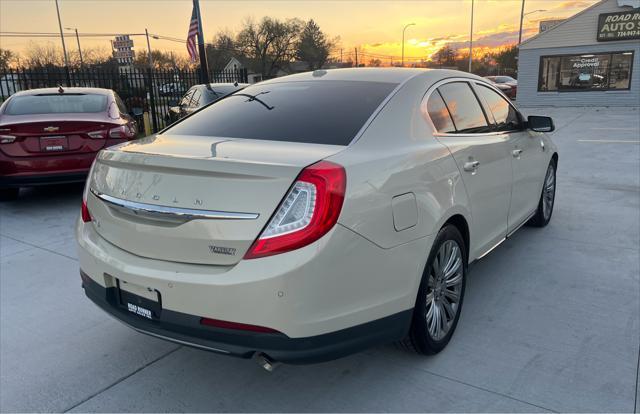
x: 219, y: 92
x: 439, y: 113
x: 195, y: 101
x: 186, y: 99
x: 505, y: 115
x: 56, y: 103
x: 121, y: 106
x: 318, y: 112
x: 464, y: 108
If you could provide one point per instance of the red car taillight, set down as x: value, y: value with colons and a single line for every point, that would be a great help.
x: 122, y: 131
x: 86, y: 216
x: 309, y: 210
x: 7, y: 139
x: 119, y: 132
x: 84, y: 210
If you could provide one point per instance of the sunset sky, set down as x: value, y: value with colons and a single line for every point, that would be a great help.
x: 375, y: 27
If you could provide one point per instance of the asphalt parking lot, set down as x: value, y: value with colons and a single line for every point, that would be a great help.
x: 551, y: 320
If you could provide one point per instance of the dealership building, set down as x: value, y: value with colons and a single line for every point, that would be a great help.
x: 590, y: 59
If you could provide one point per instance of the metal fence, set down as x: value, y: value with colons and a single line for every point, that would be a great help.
x: 151, y: 90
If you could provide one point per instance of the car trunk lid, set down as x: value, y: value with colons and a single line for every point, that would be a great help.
x: 193, y: 199
x: 59, y: 134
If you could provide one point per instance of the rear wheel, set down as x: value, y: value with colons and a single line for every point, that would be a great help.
x: 8, y: 194
x: 440, y: 296
x: 547, y: 198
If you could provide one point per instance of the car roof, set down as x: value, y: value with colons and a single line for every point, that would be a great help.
x: 45, y: 91
x: 219, y: 84
x: 390, y: 75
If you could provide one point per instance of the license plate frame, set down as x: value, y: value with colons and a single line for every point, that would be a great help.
x: 143, y: 302
x: 56, y: 143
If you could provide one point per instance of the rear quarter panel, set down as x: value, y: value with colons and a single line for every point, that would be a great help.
x: 397, y: 154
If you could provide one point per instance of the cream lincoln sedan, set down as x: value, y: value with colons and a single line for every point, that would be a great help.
x: 311, y: 216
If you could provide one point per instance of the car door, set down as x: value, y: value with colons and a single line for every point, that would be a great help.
x: 482, y: 156
x: 527, y: 155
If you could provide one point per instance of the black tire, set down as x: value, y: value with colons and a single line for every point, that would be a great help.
x: 544, y: 212
x: 419, y: 338
x: 8, y: 194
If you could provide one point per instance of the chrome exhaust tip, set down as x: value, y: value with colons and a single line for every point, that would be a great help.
x: 265, y: 362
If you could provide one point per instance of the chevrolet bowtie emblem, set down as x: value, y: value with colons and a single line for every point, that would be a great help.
x: 51, y: 129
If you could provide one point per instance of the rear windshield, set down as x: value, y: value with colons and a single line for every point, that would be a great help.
x: 56, y: 103
x: 325, y: 112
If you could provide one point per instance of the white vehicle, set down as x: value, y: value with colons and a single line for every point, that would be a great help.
x: 308, y: 217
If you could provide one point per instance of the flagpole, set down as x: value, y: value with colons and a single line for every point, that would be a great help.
x: 204, y: 68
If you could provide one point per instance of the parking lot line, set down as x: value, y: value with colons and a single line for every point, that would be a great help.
x: 610, y: 141
x: 614, y: 129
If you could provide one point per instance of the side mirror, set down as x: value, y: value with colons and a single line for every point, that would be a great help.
x: 172, y: 102
x: 540, y: 123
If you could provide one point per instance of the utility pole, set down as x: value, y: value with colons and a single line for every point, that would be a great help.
x: 340, y: 55
x: 204, y: 68
x: 64, y: 47
x: 146, y: 32
x: 471, y: 38
x: 405, y: 28
x: 356, y: 49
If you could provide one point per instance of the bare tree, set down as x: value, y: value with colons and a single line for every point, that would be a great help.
x: 37, y: 55
x: 270, y: 44
x: 221, y: 50
x: 445, y: 56
x: 7, y: 58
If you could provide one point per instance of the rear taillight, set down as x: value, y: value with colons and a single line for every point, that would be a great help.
x: 309, y: 210
x: 7, y: 139
x: 84, y: 211
x: 122, y: 132
x: 86, y: 217
x: 102, y: 134
x: 119, y: 132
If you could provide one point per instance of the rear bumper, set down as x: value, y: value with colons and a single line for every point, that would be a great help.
x: 186, y: 329
x: 336, y: 296
x: 28, y: 180
x: 42, y: 170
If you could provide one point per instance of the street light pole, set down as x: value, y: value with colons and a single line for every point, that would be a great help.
x: 521, y: 20
x: 471, y: 38
x: 403, y: 30
x: 522, y: 14
x: 146, y: 32
x: 79, y: 49
x: 78, y: 39
x: 64, y: 47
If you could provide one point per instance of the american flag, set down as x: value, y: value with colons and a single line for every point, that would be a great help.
x: 191, y: 36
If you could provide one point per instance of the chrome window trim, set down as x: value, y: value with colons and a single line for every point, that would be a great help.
x: 471, y: 82
x: 152, y: 210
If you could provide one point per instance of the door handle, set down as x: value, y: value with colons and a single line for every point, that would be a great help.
x: 471, y: 166
x: 516, y: 153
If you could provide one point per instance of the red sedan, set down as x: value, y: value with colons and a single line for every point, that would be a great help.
x: 52, y: 135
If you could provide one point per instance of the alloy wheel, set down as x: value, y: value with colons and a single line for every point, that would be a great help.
x: 548, y: 192
x: 444, y: 289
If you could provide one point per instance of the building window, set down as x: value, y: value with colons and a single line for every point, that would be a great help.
x: 586, y: 72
